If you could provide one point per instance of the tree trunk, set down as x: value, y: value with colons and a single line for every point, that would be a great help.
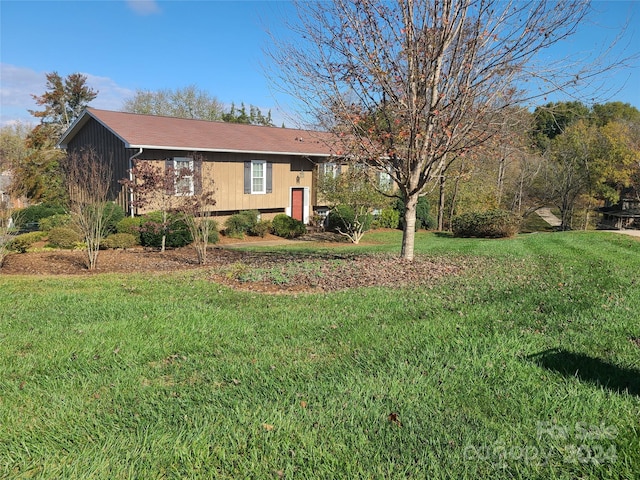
x: 500, y: 183
x: 441, y: 204
x: 454, y: 198
x: 409, y: 233
x: 164, y: 230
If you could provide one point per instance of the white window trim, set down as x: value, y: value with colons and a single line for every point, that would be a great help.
x: 264, y: 177
x: 330, y: 169
x: 176, y: 169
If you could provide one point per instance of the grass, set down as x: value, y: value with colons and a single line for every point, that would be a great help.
x: 525, y: 366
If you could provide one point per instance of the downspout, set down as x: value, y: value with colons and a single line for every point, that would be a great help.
x: 131, y: 179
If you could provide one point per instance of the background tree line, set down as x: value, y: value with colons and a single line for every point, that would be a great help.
x: 563, y: 155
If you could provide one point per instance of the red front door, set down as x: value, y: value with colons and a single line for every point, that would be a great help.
x: 297, y: 203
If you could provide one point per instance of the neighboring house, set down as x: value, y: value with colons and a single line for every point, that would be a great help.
x: 5, y: 197
x: 625, y: 214
x: 269, y: 169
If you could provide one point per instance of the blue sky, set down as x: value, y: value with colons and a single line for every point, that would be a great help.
x: 217, y: 45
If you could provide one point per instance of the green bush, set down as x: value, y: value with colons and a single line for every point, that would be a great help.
x: 23, y: 242
x: 63, y: 237
x: 30, y: 217
x: 214, y: 235
x: 423, y: 215
x: 151, y: 228
x: 240, y: 223
x: 343, y: 215
x: 388, y: 218
x: 57, y: 220
x: 113, y: 213
x: 119, y: 240
x: 489, y: 224
x: 261, y: 228
x: 130, y: 225
x: 287, y: 227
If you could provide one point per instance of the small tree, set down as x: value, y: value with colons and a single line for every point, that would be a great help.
x: 152, y: 184
x: 356, y: 189
x: 87, y: 179
x: 178, y: 190
x: 196, y: 212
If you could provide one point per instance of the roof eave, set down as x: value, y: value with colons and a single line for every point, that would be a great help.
x: 226, y: 150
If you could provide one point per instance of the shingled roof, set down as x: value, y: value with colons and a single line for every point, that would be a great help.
x: 169, y: 133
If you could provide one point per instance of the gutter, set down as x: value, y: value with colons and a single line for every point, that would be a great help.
x: 131, y: 179
x: 229, y: 150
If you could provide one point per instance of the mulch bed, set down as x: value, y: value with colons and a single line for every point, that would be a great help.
x: 275, y: 272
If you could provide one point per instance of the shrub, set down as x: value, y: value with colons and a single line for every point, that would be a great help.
x: 423, y: 215
x: 113, y: 213
x: 261, y: 228
x: 130, y: 225
x: 30, y: 217
x: 151, y: 229
x: 287, y: 227
x: 214, y: 235
x: 57, y: 220
x: 119, y: 240
x: 23, y: 242
x: 63, y: 237
x: 343, y: 215
x: 388, y: 218
x: 489, y: 224
x: 240, y: 223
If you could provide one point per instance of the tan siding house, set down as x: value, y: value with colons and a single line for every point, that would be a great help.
x: 269, y: 169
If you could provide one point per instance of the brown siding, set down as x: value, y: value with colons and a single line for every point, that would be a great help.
x: 110, y: 148
x: 226, y: 170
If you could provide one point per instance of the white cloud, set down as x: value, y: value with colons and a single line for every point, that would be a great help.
x: 144, y: 7
x: 16, y: 88
x: 111, y: 96
x: 19, y: 83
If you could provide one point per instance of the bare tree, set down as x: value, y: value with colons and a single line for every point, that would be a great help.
x: 186, y: 102
x: 87, y: 178
x: 410, y: 84
x: 154, y: 186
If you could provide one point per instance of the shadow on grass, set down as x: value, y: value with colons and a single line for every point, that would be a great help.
x: 590, y: 369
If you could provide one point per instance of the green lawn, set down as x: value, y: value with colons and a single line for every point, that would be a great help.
x: 527, y: 365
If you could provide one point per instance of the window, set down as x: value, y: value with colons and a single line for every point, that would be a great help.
x: 258, y: 176
x: 183, y: 168
x: 329, y: 169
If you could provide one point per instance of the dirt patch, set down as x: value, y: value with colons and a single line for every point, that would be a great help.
x: 263, y: 271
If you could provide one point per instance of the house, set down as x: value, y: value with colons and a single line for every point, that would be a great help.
x: 6, y: 199
x: 624, y: 214
x: 269, y: 169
